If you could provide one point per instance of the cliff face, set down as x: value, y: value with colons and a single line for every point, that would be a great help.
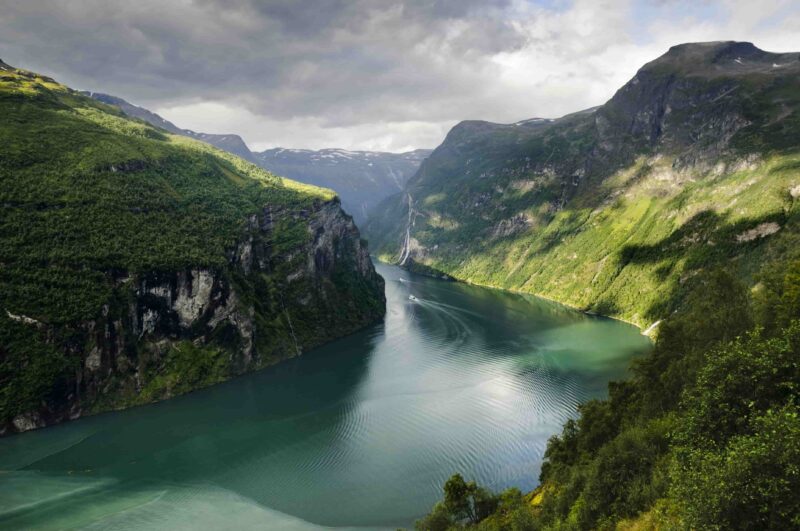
x: 137, y: 265
x: 163, y: 333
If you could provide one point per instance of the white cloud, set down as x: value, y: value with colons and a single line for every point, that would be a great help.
x: 304, y: 132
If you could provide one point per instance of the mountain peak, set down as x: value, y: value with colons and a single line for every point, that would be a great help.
x: 721, y: 58
x: 714, y: 49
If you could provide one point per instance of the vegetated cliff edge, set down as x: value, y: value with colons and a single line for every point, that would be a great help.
x: 362, y: 179
x: 137, y: 265
x: 691, y: 165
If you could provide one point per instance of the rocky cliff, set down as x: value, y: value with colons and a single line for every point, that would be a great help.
x: 136, y: 266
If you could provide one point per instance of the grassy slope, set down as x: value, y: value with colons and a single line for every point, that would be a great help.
x: 76, y: 175
x: 588, y: 210
x: 628, y: 257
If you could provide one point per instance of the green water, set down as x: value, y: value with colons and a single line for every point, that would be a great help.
x: 359, y: 433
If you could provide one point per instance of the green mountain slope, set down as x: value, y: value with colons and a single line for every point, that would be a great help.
x: 693, y: 163
x: 136, y: 265
x: 675, y: 201
x: 361, y: 179
x: 227, y: 142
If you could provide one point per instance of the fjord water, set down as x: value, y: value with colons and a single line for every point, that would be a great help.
x: 359, y: 433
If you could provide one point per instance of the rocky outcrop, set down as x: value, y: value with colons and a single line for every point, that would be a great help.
x: 298, y: 277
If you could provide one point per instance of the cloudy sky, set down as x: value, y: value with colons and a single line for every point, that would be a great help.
x: 367, y: 74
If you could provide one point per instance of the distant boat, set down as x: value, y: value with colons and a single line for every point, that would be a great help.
x: 401, y: 280
x: 412, y: 298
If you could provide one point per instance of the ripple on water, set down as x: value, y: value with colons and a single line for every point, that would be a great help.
x: 361, y: 432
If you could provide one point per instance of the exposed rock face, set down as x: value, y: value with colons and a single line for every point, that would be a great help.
x: 274, y: 299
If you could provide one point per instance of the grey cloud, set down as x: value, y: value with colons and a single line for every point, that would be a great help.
x: 343, y: 59
x: 344, y: 67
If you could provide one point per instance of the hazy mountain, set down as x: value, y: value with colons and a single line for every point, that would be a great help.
x: 361, y: 178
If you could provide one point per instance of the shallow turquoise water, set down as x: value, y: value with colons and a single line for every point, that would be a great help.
x: 359, y: 433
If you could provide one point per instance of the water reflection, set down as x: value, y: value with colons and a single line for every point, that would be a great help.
x: 361, y: 432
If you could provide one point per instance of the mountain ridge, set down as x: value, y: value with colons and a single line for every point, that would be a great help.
x: 361, y: 178
x: 676, y: 206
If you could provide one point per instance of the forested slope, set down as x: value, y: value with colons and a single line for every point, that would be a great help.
x: 136, y: 265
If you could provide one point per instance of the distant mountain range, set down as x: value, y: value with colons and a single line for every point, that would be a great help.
x: 362, y: 179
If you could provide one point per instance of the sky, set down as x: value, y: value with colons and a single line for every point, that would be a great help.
x: 388, y: 75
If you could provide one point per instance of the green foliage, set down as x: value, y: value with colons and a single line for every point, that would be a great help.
x: 737, y: 456
x: 466, y: 501
x: 30, y: 369
x: 185, y: 367
x: 93, y: 200
x: 751, y: 482
x: 708, y: 374
x: 739, y: 378
x: 778, y: 296
x: 717, y: 310
x: 469, y: 506
x: 704, y: 436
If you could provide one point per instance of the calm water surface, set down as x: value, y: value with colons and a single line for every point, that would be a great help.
x: 360, y: 433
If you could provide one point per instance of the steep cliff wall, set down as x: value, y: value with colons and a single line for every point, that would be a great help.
x: 163, y: 333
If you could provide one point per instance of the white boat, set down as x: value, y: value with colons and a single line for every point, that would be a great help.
x: 412, y: 298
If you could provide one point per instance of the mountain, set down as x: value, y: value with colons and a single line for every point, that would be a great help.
x: 693, y: 164
x: 136, y: 265
x: 228, y: 142
x: 361, y: 178
x: 676, y: 203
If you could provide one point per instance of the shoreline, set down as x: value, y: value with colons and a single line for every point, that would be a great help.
x: 649, y: 331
